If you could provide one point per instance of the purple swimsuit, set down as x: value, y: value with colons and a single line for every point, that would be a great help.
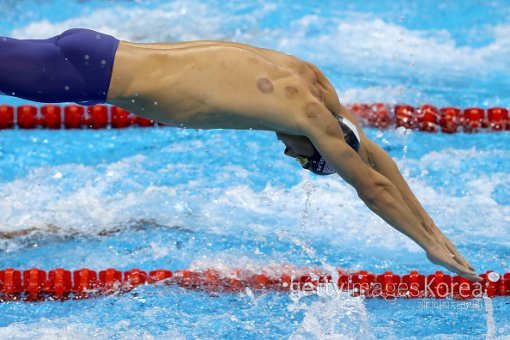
x: 75, y: 66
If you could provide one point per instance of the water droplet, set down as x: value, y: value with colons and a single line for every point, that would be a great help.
x: 87, y: 57
x: 155, y: 103
x: 66, y: 88
x: 14, y: 93
x: 132, y: 100
x: 103, y: 62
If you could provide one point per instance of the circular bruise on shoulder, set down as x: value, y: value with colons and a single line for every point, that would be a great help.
x: 265, y: 85
x: 291, y: 92
x: 312, y: 110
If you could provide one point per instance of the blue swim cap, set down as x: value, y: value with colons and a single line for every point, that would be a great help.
x: 317, y: 164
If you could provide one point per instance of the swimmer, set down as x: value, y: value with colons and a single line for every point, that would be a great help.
x: 224, y: 85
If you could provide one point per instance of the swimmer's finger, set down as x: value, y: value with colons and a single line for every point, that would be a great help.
x: 461, y: 270
x: 463, y: 261
x: 446, y: 260
x: 466, y: 262
x: 458, y: 256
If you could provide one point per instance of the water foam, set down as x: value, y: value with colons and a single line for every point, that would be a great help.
x: 67, y: 328
x: 70, y: 199
x: 344, y: 317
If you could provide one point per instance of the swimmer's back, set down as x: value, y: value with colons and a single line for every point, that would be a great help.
x: 208, y: 85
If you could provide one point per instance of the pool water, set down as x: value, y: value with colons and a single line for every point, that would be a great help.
x: 171, y: 198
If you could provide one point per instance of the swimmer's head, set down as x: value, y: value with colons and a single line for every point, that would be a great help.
x: 307, y: 155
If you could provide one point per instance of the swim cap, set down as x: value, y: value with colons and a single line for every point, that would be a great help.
x: 317, y: 164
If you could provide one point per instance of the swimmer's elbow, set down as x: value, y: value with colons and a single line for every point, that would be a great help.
x: 374, y: 190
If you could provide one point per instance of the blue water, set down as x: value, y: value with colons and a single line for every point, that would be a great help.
x: 174, y: 198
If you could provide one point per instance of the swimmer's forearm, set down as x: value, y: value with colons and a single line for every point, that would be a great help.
x: 388, y: 203
x: 385, y: 165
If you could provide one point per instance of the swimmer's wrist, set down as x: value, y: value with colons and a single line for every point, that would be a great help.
x: 426, y: 237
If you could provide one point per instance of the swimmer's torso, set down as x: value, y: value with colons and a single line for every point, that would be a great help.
x: 185, y: 84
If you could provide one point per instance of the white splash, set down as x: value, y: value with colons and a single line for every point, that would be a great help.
x: 67, y: 328
x: 341, y: 318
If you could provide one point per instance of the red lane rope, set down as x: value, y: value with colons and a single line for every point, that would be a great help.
x: 69, y: 117
x: 61, y: 284
x: 427, y: 118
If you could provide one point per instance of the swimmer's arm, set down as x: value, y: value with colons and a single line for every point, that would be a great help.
x: 440, y: 249
x: 384, y: 199
x: 384, y: 164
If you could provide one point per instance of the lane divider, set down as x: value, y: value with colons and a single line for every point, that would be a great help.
x: 60, y: 284
x: 69, y: 117
x: 427, y: 118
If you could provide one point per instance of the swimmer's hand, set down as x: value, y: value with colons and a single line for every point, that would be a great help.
x: 440, y: 250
